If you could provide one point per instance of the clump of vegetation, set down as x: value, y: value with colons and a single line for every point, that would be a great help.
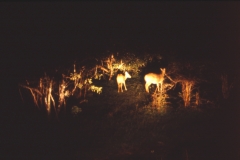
x: 42, y: 93
x: 187, y: 75
x: 83, y: 78
x: 52, y: 94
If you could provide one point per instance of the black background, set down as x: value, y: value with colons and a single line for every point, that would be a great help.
x: 38, y: 34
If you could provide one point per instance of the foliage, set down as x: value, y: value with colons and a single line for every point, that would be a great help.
x: 49, y: 91
x: 188, y: 75
x: 76, y: 110
x: 78, y: 81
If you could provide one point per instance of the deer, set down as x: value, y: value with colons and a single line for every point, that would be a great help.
x: 153, y: 78
x: 121, y: 81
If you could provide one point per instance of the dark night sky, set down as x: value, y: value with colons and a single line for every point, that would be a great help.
x: 39, y: 33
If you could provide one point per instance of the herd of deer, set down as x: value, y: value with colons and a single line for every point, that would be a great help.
x: 150, y: 78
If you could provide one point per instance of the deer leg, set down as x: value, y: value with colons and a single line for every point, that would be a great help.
x: 161, y: 87
x: 158, y: 87
x: 125, y: 85
x: 118, y: 87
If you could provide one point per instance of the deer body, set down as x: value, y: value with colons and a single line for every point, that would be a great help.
x: 121, y: 81
x: 153, y: 78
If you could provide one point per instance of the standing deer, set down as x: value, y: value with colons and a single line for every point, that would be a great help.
x: 152, y: 78
x: 121, y: 80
